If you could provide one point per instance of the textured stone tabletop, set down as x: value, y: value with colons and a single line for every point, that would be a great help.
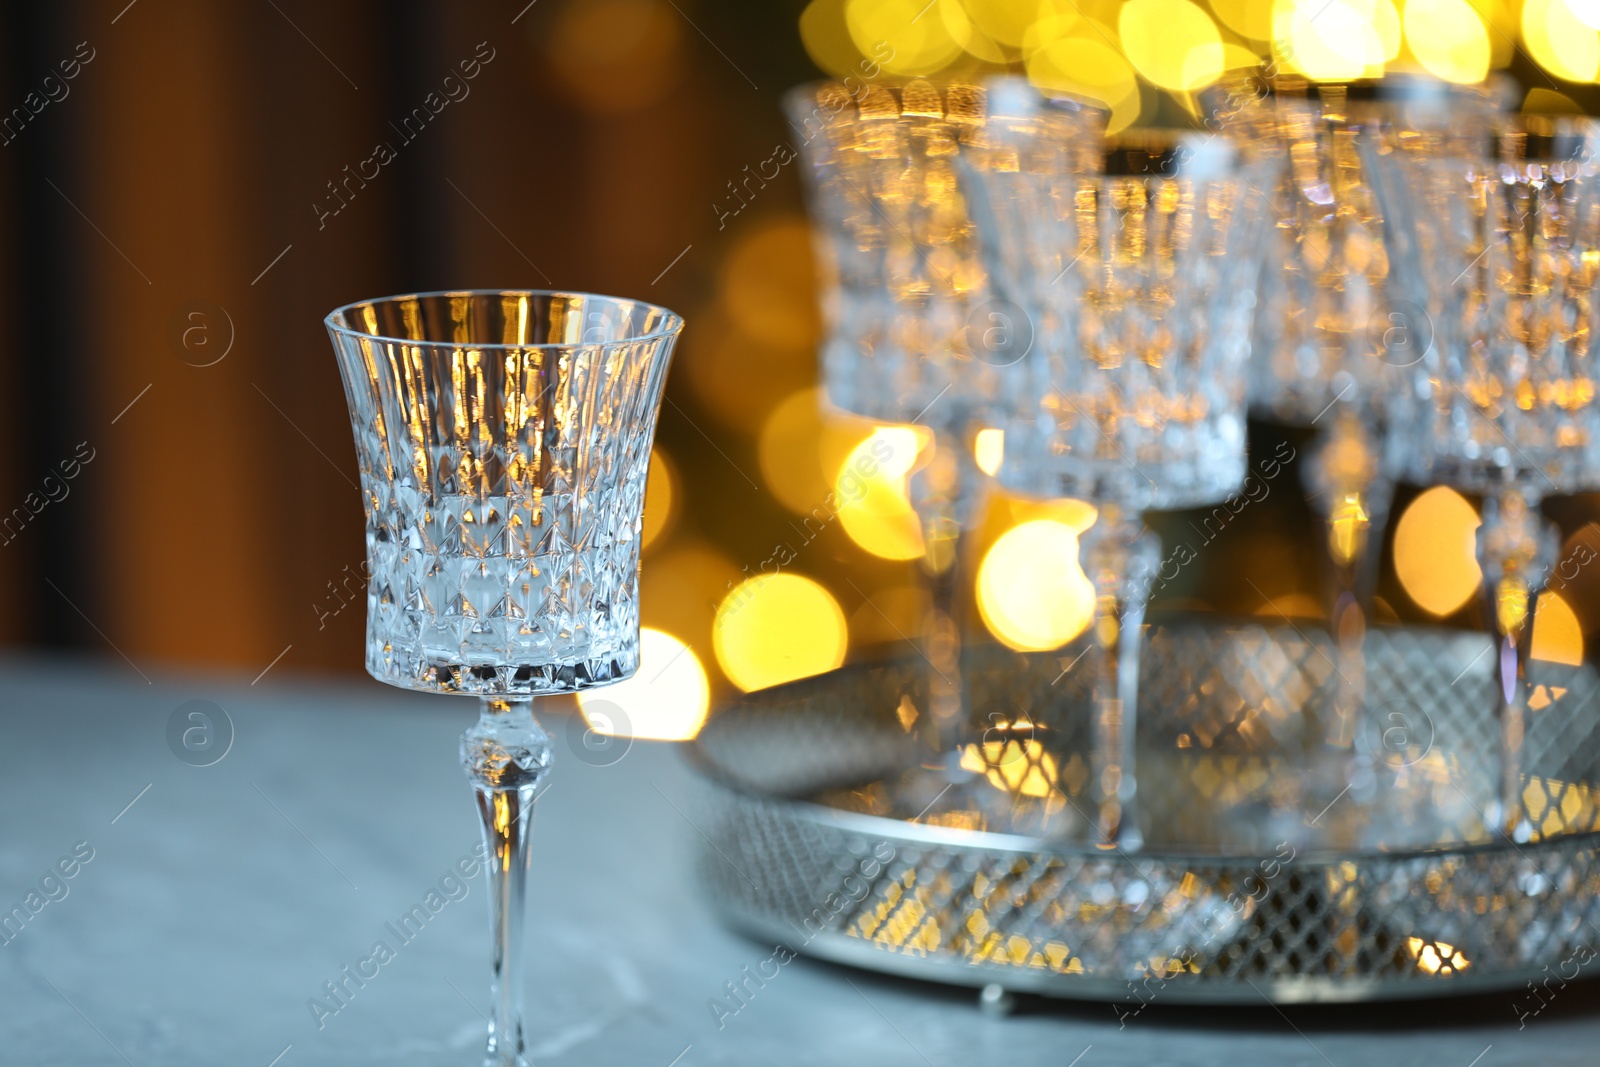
x: 207, y: 906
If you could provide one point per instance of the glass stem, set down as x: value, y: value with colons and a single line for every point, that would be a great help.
x: 943, y: 492
x: 506, y: 756
x: 1347, y: 473
x: 1119, y: 557
x: 1515, y: 544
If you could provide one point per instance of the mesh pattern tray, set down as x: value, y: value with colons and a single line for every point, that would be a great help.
x: 1272, y: 866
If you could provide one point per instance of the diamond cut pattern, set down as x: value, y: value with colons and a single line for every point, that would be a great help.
x: 1412, y: 899
x: 504, y: 475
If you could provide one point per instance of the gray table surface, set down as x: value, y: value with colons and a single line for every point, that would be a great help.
x: 219, y: 899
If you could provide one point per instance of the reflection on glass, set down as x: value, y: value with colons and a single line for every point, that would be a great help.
x: 504, y: 442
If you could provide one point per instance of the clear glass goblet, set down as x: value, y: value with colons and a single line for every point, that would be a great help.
x: 504, y: 442
x: 1335, y: 348
x: 1139, y: 282
x: 1502, y: 249
x: 914, y: 335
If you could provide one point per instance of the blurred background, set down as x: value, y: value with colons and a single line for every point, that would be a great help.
x: 191, y: 187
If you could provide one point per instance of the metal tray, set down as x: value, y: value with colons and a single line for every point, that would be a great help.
x: 1272, y: 865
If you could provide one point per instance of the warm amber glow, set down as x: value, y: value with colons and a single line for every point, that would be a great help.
x: 1586, y: 12
x: 1173, y: 43
x: 767, y: 278
x: 658, y: 499
x: 1248, y: 18
x: 1015, y: 765
x: 1436, y: 956
x: 801, y: 447
x: 1032, y: 593
x: 616, y: 55
x: 1334, y: 40
x: 870, y: 491
x: 1293, y: 606
x: 1435, y: 551
x: 1081, y: 62
x: 1559, y: 41
x: 776, y: 628
x: 1005, y: 22
x: 917, y: 37
x: 827, y: 38
x: 989, y: 450
x: 1557, y: 634
x: 1448, y: 38
x: 681, y: 582
x: 1094, y: 47
x: 1347, y: 528
x: 666, y: 700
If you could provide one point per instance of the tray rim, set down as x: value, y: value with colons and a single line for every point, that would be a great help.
x: 838, y: 948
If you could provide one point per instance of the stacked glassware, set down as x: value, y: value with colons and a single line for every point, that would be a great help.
x: 1139, y: 275
x: 914, y: 334
x: 1397, y: 264
x: 1500, y: 246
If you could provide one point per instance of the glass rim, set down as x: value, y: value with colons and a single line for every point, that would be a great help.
x: 673, y: 326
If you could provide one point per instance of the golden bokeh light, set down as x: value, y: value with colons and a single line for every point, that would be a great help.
x: 1173, y: 43
x: 1557, y: 634
x: 1088, y: 67
x: 1104, y: 50
x: 774, y: 628
x: 1248, y: 18
x: 1558, y: 40
x: 659, y: 499
x: 768, y: 282
x: 917, y: 37
x: 801, y: 447
x: 616, y: 56
x: 958, y: 23
x: 1336, y: 40
x: 1435, y: 551
x: 666, y: 699
x: 989, y: 450
x: 871, y: 493
x: 1014, y: 766
x: 1448, y: 38
x: 1003, y: 21
x: 1586, y: 12
x: 1032, y: 592
x: 736, y: 379
x: 827, y: 39
x: 680, y: 585
x: 1542, y: 101
x: 1435, y: 956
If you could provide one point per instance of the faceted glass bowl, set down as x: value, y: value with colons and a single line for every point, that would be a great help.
x: 504, y: 443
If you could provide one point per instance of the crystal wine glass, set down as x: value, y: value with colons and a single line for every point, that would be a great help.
x: 914, y: 335
x: 1333, y: 345
x: 504, y: 441
x: 1139, y: 282
x: 1502, y: 249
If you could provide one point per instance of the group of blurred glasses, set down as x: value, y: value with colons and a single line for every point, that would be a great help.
x: 1400, y: 265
